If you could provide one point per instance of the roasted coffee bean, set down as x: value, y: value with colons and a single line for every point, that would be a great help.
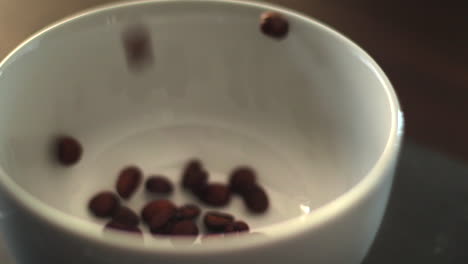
x: 256, y: 199
x: 68, y: 150
x: 160, y: 219
x: 159, y: 184
x: 158, y: 207
x: 274, y: 25
x: 138, y: 47
x: 215, y: 194
x: 128, y: 181
x: 187, y: 212
x: 194, y: 176
x: 217, y: 221
x: 194, y: 165
x: 122, y: 227
x: 185, y: 228
x: 104, y: 204
x: 242, y: 179
x: 126, y: 216
x: 236, y: 226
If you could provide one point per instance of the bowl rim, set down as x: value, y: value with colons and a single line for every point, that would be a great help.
x: 289, y: 228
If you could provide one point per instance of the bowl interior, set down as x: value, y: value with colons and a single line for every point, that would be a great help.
x: 309, y: 112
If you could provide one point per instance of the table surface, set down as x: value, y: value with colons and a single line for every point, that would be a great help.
x: 422, y: 47
x: 427, y: 216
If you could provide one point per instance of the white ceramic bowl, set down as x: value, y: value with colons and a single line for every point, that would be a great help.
x: 313, y: 113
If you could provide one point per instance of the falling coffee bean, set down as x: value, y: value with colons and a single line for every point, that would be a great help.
x: 237, y: 226
x: 138, y: 47
x: 104, y: 204
x: 128, y: 181
x: 185, y: 228
x: 187, y: 212
x: 274, y: 25
x: 256, y: 199
x: 242, y: 179
x: 122, y: 227
x: 68, y: 150
x: 216, y: 194
x: 217, y: 221
x: 164, y: 209
x: 126, y: 216
x: 159, y: 185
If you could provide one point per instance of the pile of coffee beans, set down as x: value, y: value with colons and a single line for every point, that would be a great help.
x: 162, y: 216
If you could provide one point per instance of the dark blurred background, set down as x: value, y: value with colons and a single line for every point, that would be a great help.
x: 423, y: 47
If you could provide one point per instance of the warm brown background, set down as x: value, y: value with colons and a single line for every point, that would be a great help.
x: 422, y: 45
